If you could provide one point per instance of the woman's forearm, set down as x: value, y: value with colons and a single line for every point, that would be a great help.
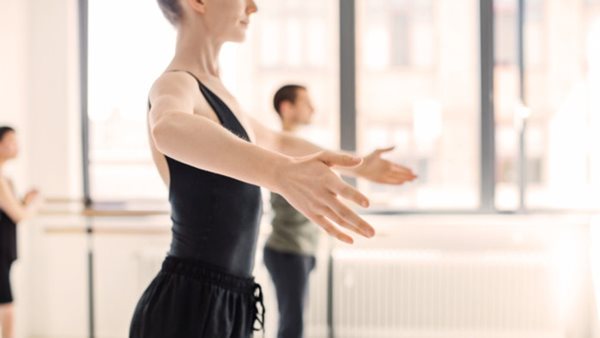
x: 295, y: 146
x: 11, y: 206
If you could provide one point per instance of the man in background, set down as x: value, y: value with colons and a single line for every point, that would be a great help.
x: 290, y: 250
x: 289, y: 253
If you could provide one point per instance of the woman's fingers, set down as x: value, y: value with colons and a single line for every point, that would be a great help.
x: 347, y: 218
x: 393, y: 178
x: 402, y: 170
x: 331, y: 229
x: 350, y: 193
x: 384, y: 150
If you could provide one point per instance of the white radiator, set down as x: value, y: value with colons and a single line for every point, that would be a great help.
x: 387, y: 293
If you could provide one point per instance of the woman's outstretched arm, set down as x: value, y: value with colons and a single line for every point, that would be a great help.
x: 307, y: 183
x: 373, y: 167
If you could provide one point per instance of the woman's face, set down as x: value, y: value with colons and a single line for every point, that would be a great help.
x: 228, y: 20
x: 8, y: 146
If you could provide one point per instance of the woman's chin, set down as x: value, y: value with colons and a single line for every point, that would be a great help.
x: 238, y: 39
x: 239, y: 35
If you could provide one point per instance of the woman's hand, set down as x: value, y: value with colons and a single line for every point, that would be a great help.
x: 377, y: 169
x: 309, y: 184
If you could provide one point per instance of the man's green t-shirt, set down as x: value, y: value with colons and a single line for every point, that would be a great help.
x: 292, y: 231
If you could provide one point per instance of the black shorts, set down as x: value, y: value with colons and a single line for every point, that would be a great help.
x: 5, y: 290
x: 191, y: 300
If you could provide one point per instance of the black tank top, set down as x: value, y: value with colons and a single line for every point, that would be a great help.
x: 215, y: 218
x: 8, y: 238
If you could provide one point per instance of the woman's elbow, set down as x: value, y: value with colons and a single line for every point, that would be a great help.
x: 160, y: 132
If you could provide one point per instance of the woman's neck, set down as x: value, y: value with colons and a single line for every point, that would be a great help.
x: 197, y: 52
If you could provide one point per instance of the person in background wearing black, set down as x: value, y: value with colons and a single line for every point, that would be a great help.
x: 12, y: 212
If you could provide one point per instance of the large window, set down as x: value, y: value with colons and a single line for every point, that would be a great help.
x: 129, y: 45
x: 417, y: 76
x: 509, y: 106
x: 563, y: 155
x: 553, y: 161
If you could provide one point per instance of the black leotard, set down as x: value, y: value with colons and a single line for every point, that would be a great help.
x: 215, y: 218
x: 8, y: 238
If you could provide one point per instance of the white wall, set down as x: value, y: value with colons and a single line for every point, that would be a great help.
x: 54, y: 128
x: 54, y: 166
x: 14, y: 75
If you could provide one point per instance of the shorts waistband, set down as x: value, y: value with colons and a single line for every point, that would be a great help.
x: 207, y: 273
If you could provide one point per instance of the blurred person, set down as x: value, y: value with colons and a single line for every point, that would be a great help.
x: 290, y: 250
x: 12, y: 212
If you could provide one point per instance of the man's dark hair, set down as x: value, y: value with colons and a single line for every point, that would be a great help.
x: 5, y: 130
x: 287, y: 93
